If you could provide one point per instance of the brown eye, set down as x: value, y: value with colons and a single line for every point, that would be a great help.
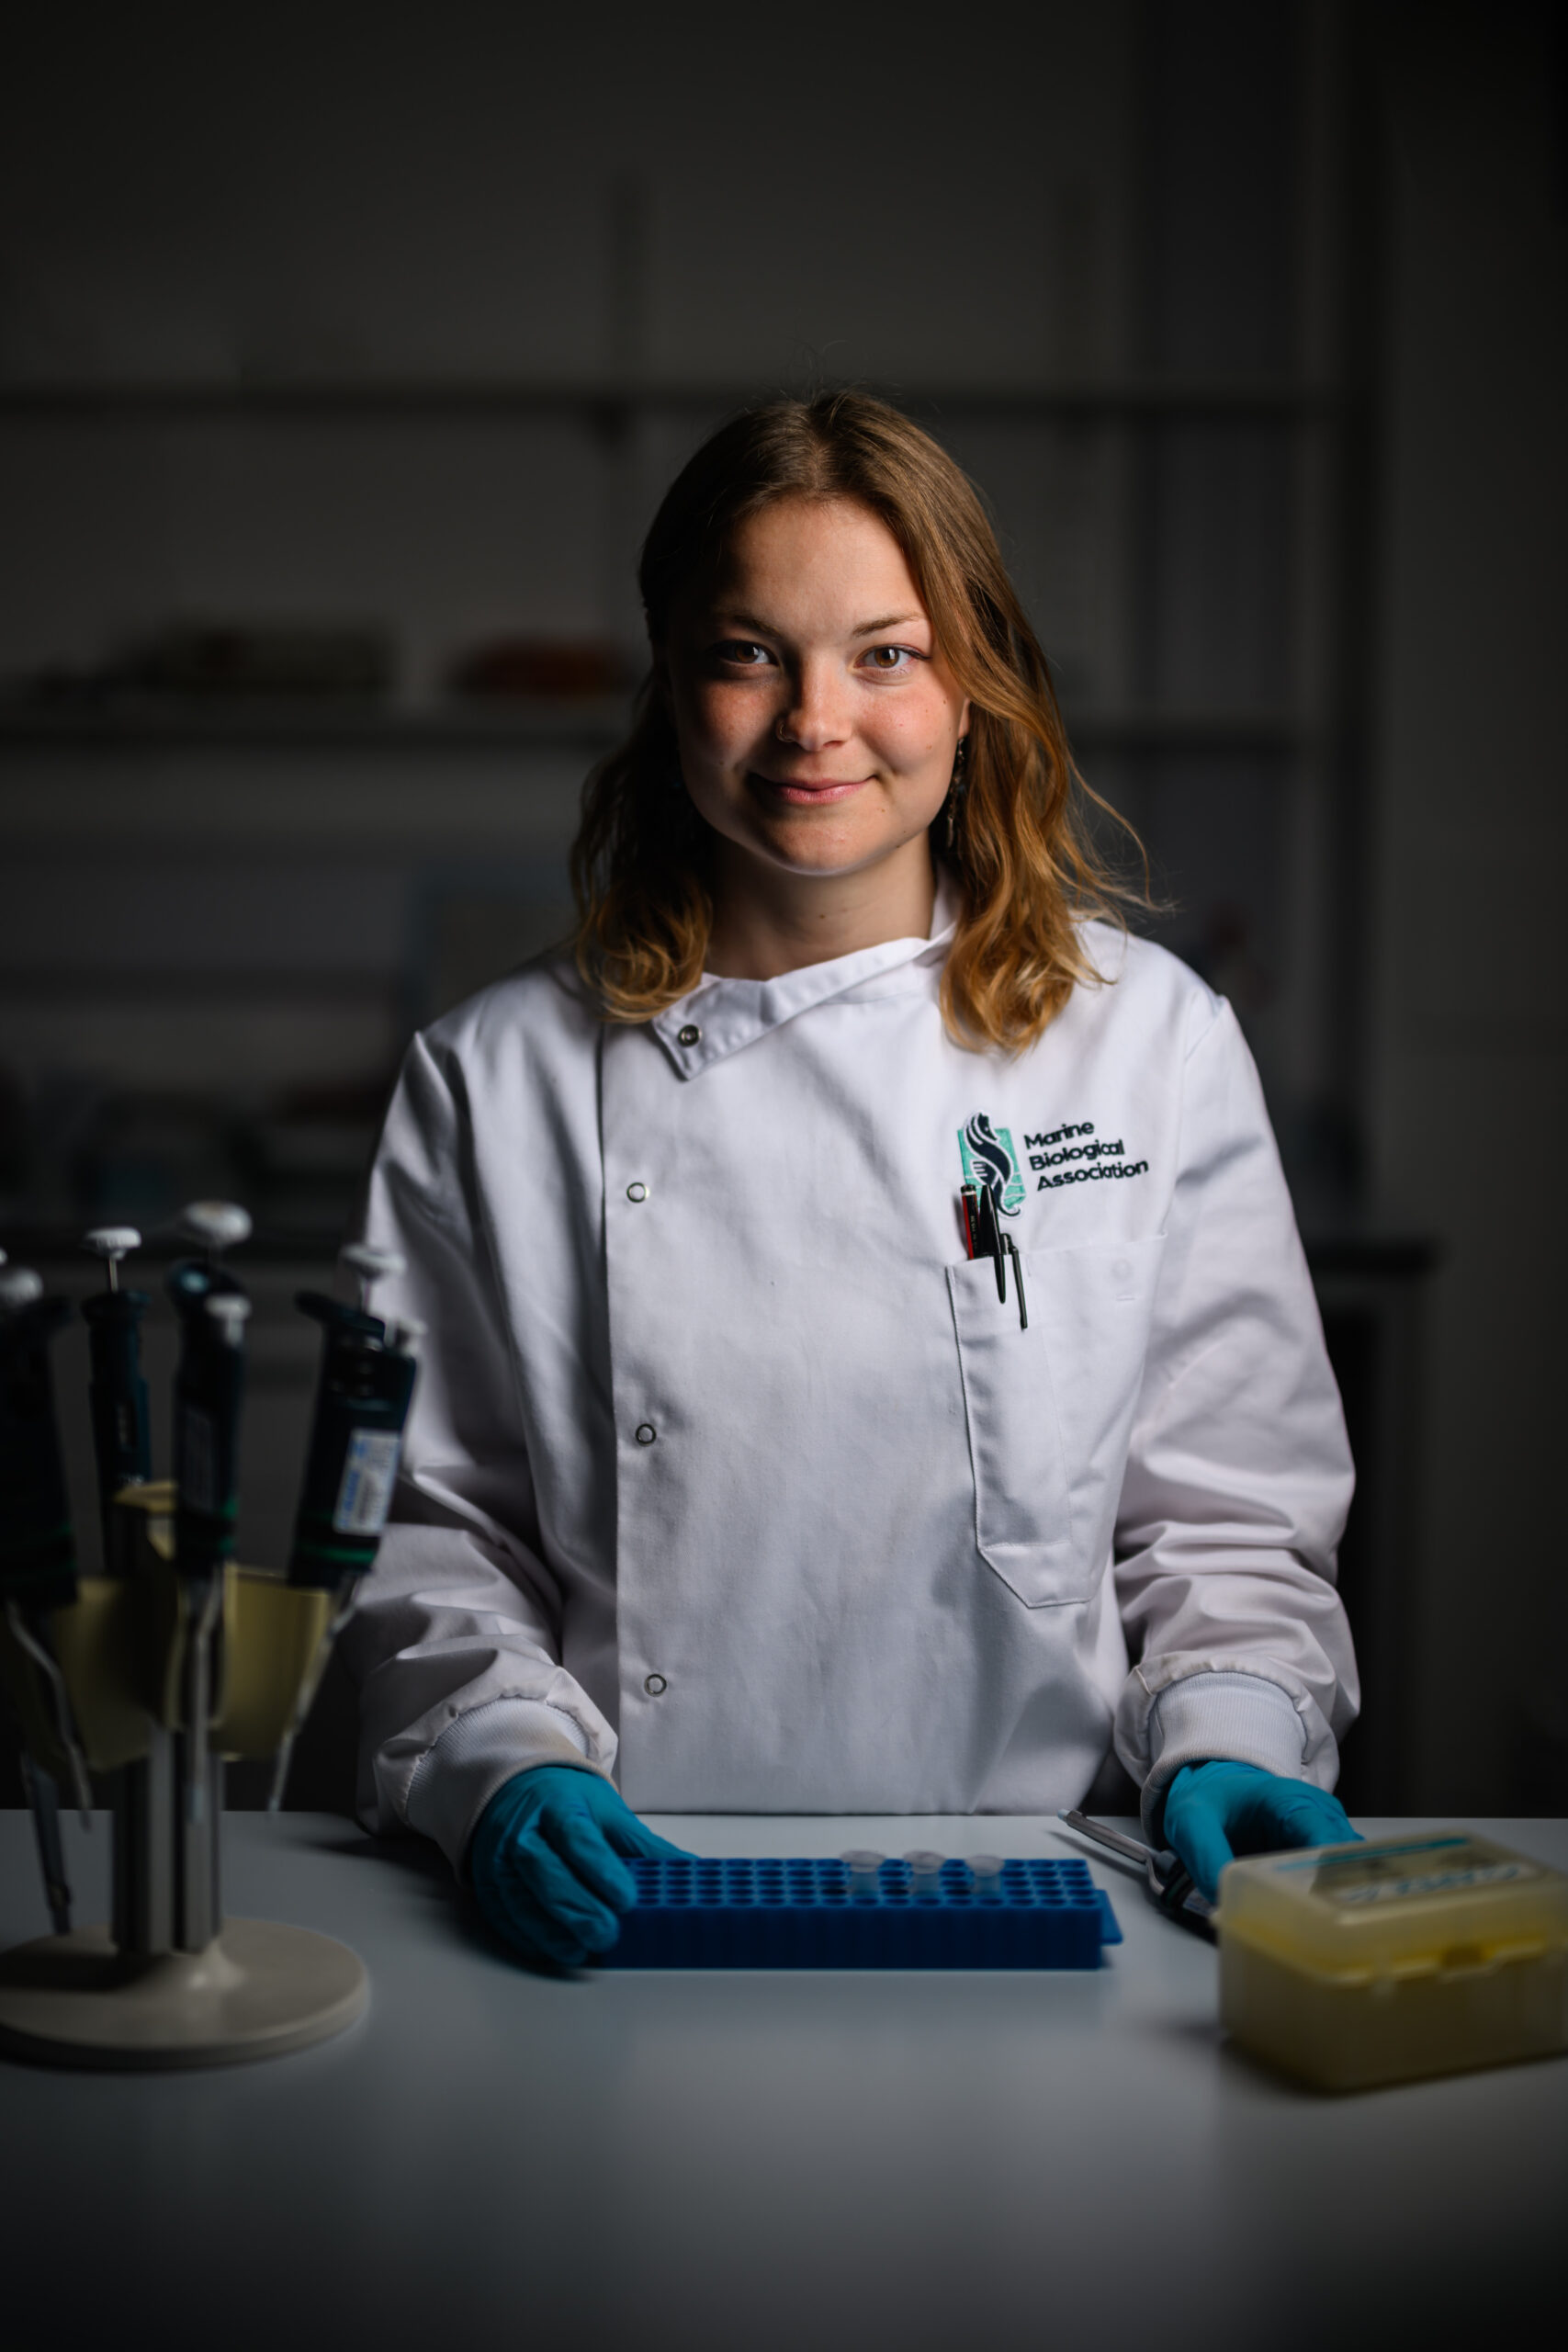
x: 890, y: 659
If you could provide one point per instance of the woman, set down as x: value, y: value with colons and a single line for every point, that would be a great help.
x: 733, y: 1471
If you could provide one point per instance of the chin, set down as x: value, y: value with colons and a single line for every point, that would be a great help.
x: 809, y: 857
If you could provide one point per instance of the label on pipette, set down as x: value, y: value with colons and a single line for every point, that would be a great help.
x: 369, y: 1473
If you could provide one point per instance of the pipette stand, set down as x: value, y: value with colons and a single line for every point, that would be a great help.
x: 169, y: 1982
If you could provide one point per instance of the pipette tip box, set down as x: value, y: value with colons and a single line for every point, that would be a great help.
x: 818, y: 1914
x: 1351, y: 1966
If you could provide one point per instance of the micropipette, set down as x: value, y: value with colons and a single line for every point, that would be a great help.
x: 121, y: 1443
x: 37, y: 1553
x: 208, y: 1386
x: 362, y: 1403
x: 119, y: 1392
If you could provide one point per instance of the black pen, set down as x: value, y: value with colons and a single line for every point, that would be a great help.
x: 991, y: 1241
x: 983, y: 1233
x: 1018, y: 1277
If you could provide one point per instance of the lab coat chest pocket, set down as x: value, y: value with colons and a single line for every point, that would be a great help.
x: 1050, y: 1408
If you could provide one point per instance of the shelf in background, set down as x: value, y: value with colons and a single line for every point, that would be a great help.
x: 592, y: 726
x: 57, y: 1251
x: 612, y: 404
x: 1391, y: 1253
x: 310, y: 726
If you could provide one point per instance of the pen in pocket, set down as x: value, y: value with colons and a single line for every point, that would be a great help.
x: 984, y: 1238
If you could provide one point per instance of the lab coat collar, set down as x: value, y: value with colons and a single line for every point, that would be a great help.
x: 720, y: 1016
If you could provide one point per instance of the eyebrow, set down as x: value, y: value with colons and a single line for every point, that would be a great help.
x: 864, y: 628
x: 888, y: 620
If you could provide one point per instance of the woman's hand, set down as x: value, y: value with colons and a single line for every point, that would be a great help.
x: 1214, y: 1811
x: 544, y: 1863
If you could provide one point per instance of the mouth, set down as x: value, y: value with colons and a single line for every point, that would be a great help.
x: 809, y: 792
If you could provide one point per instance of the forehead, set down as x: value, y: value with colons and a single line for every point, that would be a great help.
x: 829, y: 562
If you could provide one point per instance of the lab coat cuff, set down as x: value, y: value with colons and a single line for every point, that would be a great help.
x: 1239, y: 1717
x: 455, y: 1779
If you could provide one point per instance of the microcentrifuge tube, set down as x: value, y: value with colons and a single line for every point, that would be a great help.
x: 986, y: 1872
x: 925, y: 1870
x: 863, y: 1866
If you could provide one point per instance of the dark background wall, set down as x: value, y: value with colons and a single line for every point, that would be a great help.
x: 341, y: 342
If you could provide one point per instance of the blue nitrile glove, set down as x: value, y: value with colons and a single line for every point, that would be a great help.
x: 544, y: 1863
x: 1214, y: 1811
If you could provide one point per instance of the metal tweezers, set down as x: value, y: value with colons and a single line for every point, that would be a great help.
x: 1166, y: 1879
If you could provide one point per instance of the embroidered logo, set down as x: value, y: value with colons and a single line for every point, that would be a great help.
x: 989, y: 1157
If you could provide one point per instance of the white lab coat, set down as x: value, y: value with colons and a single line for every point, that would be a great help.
x: 727, y: 1471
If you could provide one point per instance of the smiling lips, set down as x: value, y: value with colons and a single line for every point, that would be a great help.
x: 808, y: 792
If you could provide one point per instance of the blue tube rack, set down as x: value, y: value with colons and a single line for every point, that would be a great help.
x: 802, y: 1913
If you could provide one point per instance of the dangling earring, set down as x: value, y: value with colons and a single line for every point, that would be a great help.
x: 957, y: 793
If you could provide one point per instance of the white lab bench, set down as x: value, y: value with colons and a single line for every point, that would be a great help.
x: 754, y: 2160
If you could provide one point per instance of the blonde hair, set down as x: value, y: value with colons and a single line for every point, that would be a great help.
x: 1026, y: 871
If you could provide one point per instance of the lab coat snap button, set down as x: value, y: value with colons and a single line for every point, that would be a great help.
x: 689, y: 1035
x: 637, y: 1191
x: 655, y: 1685
x: 645, y: 1433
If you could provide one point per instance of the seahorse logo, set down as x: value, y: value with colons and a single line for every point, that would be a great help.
x: 989, y: 1157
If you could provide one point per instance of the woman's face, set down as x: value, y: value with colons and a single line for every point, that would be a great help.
x: 817, y: 723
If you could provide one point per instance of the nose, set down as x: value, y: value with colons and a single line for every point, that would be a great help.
x: 816, y: 711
